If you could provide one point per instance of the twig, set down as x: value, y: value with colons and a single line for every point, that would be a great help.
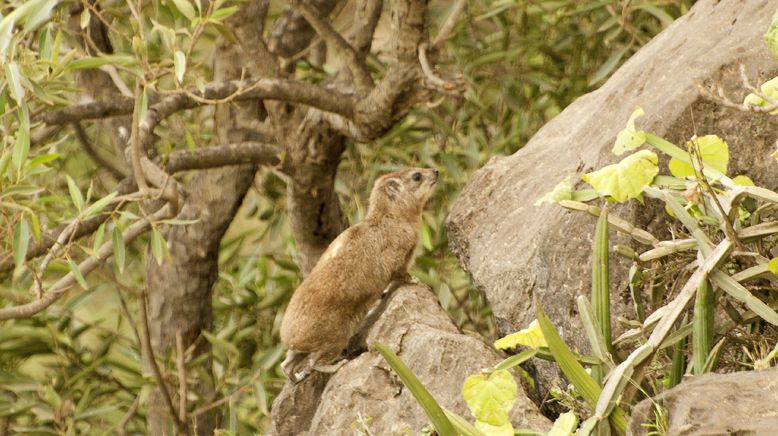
x: 89, y: 148
x: 62, y: 285
x: 448, y: 26
x: 181, y: 367
x: 67, y: 232
x: 121, y: 426
x: 449, y: 86
x: 358, y: 69
x: 199, y: 411
x: 232, y: 154
x: 180, y: 426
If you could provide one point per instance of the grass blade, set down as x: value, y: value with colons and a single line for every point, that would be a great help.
x: 702, y: 334
x: 600, y: 291
x: 431, y: 407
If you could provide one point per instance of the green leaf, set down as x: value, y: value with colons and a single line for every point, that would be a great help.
x: 21, y: 148
x: 99, y: 238
x: 600, y: 279
x: 77, y: 274
x: 531, y: 336
x: 770, y: 90
x: 562, y: 191
x: 626, y: 179
x: 771, y: 36
x: 75, y: 194
x: 564, y: 425
x: 21, y: 241
x: 39, y: 14
x: 431, y: 407
x: 99, y: 61
x: 118, y: 248
x: 185, y: 8
x: 99, y: 205
x: 773, y: 265
x: 629, y: 138
x: 13, y: 76
x: 221, y: 344
x: 158, y: 246
x: 506, y: 429
x: 742, y: 180
x: 491, y: 398
x: 179, y: 61
x: 713, y: 151
x: 85, y: 18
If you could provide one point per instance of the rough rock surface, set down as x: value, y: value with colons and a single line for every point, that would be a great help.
x: 741, y: 403
x: 514, y: 250
x: 415, y: 327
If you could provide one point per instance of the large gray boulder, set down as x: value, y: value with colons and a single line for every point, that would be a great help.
x: 367, y: 392
x: 741, y: 403
x: 515, y: 251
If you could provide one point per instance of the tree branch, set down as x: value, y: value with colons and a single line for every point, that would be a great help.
x: 62, y: 285
x: 218, y: 156
x: 358, y: 69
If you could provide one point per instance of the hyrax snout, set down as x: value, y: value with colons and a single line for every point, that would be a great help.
x: 353, y: 272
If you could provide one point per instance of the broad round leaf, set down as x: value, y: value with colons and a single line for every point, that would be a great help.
x: 626, y: 179
x: 490, y: 399
x: 713, y: 150
x: 564, y: 425
x: 495, y: 430
x: 629, y: 138
x: 562, y: 191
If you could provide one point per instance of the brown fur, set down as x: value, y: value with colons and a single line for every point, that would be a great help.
x: 353, y: 272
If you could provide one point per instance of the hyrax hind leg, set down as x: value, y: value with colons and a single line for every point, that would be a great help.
x: 291, y: 366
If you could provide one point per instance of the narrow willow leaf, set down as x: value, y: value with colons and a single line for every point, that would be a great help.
x: 600, y: 284
x: 21, y: 241
x: 98, y: 206
x: 157, y: 246
x: 99, y: 61
x: 221, y: 344
x: 771, y: 36
x: 185, y: 8
x: 118, y: 248
x: 75, y: 194
x: 179, y: 62
x: 21, y: 149
x: 77, y: 274
x: 13, y: 75
x: 85, y: 18
x: 491, y: 397
x: 99, y: 238
x: 431, y: 407
x: 39, y: 14
x: 625, y: 180
x: 702, y: 336
x: 629, y: 138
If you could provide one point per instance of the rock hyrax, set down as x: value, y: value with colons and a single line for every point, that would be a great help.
x: 353, y: 272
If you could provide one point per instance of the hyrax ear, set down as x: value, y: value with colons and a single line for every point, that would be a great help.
x: 393, y: 188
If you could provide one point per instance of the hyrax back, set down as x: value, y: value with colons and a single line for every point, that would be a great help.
x: 353, y: 272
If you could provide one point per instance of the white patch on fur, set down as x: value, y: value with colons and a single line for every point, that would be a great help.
x: 333, y: 249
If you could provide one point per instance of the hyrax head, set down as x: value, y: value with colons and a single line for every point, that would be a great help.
x: 405, y: 191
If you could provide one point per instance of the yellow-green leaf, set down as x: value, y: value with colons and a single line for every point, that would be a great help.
x: 75, y: 193
x: 742, y: 180
x: 491, y: 398
x: 119, y: 250
x: 495, y: 430
x: 179, y: 61
x: 531, y: 336
x: 629, y: 138
x: 773, y: 265
x: 713, y: 151
x: 185, y: 8
x: 771, y: 36
x: 77, y: 274
x: 626, y: 179
x: 564, y: 425
x: 562, y: 191
x: 21, y: 241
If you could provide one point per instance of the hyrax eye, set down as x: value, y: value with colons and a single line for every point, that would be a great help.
x: 416, y: 177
